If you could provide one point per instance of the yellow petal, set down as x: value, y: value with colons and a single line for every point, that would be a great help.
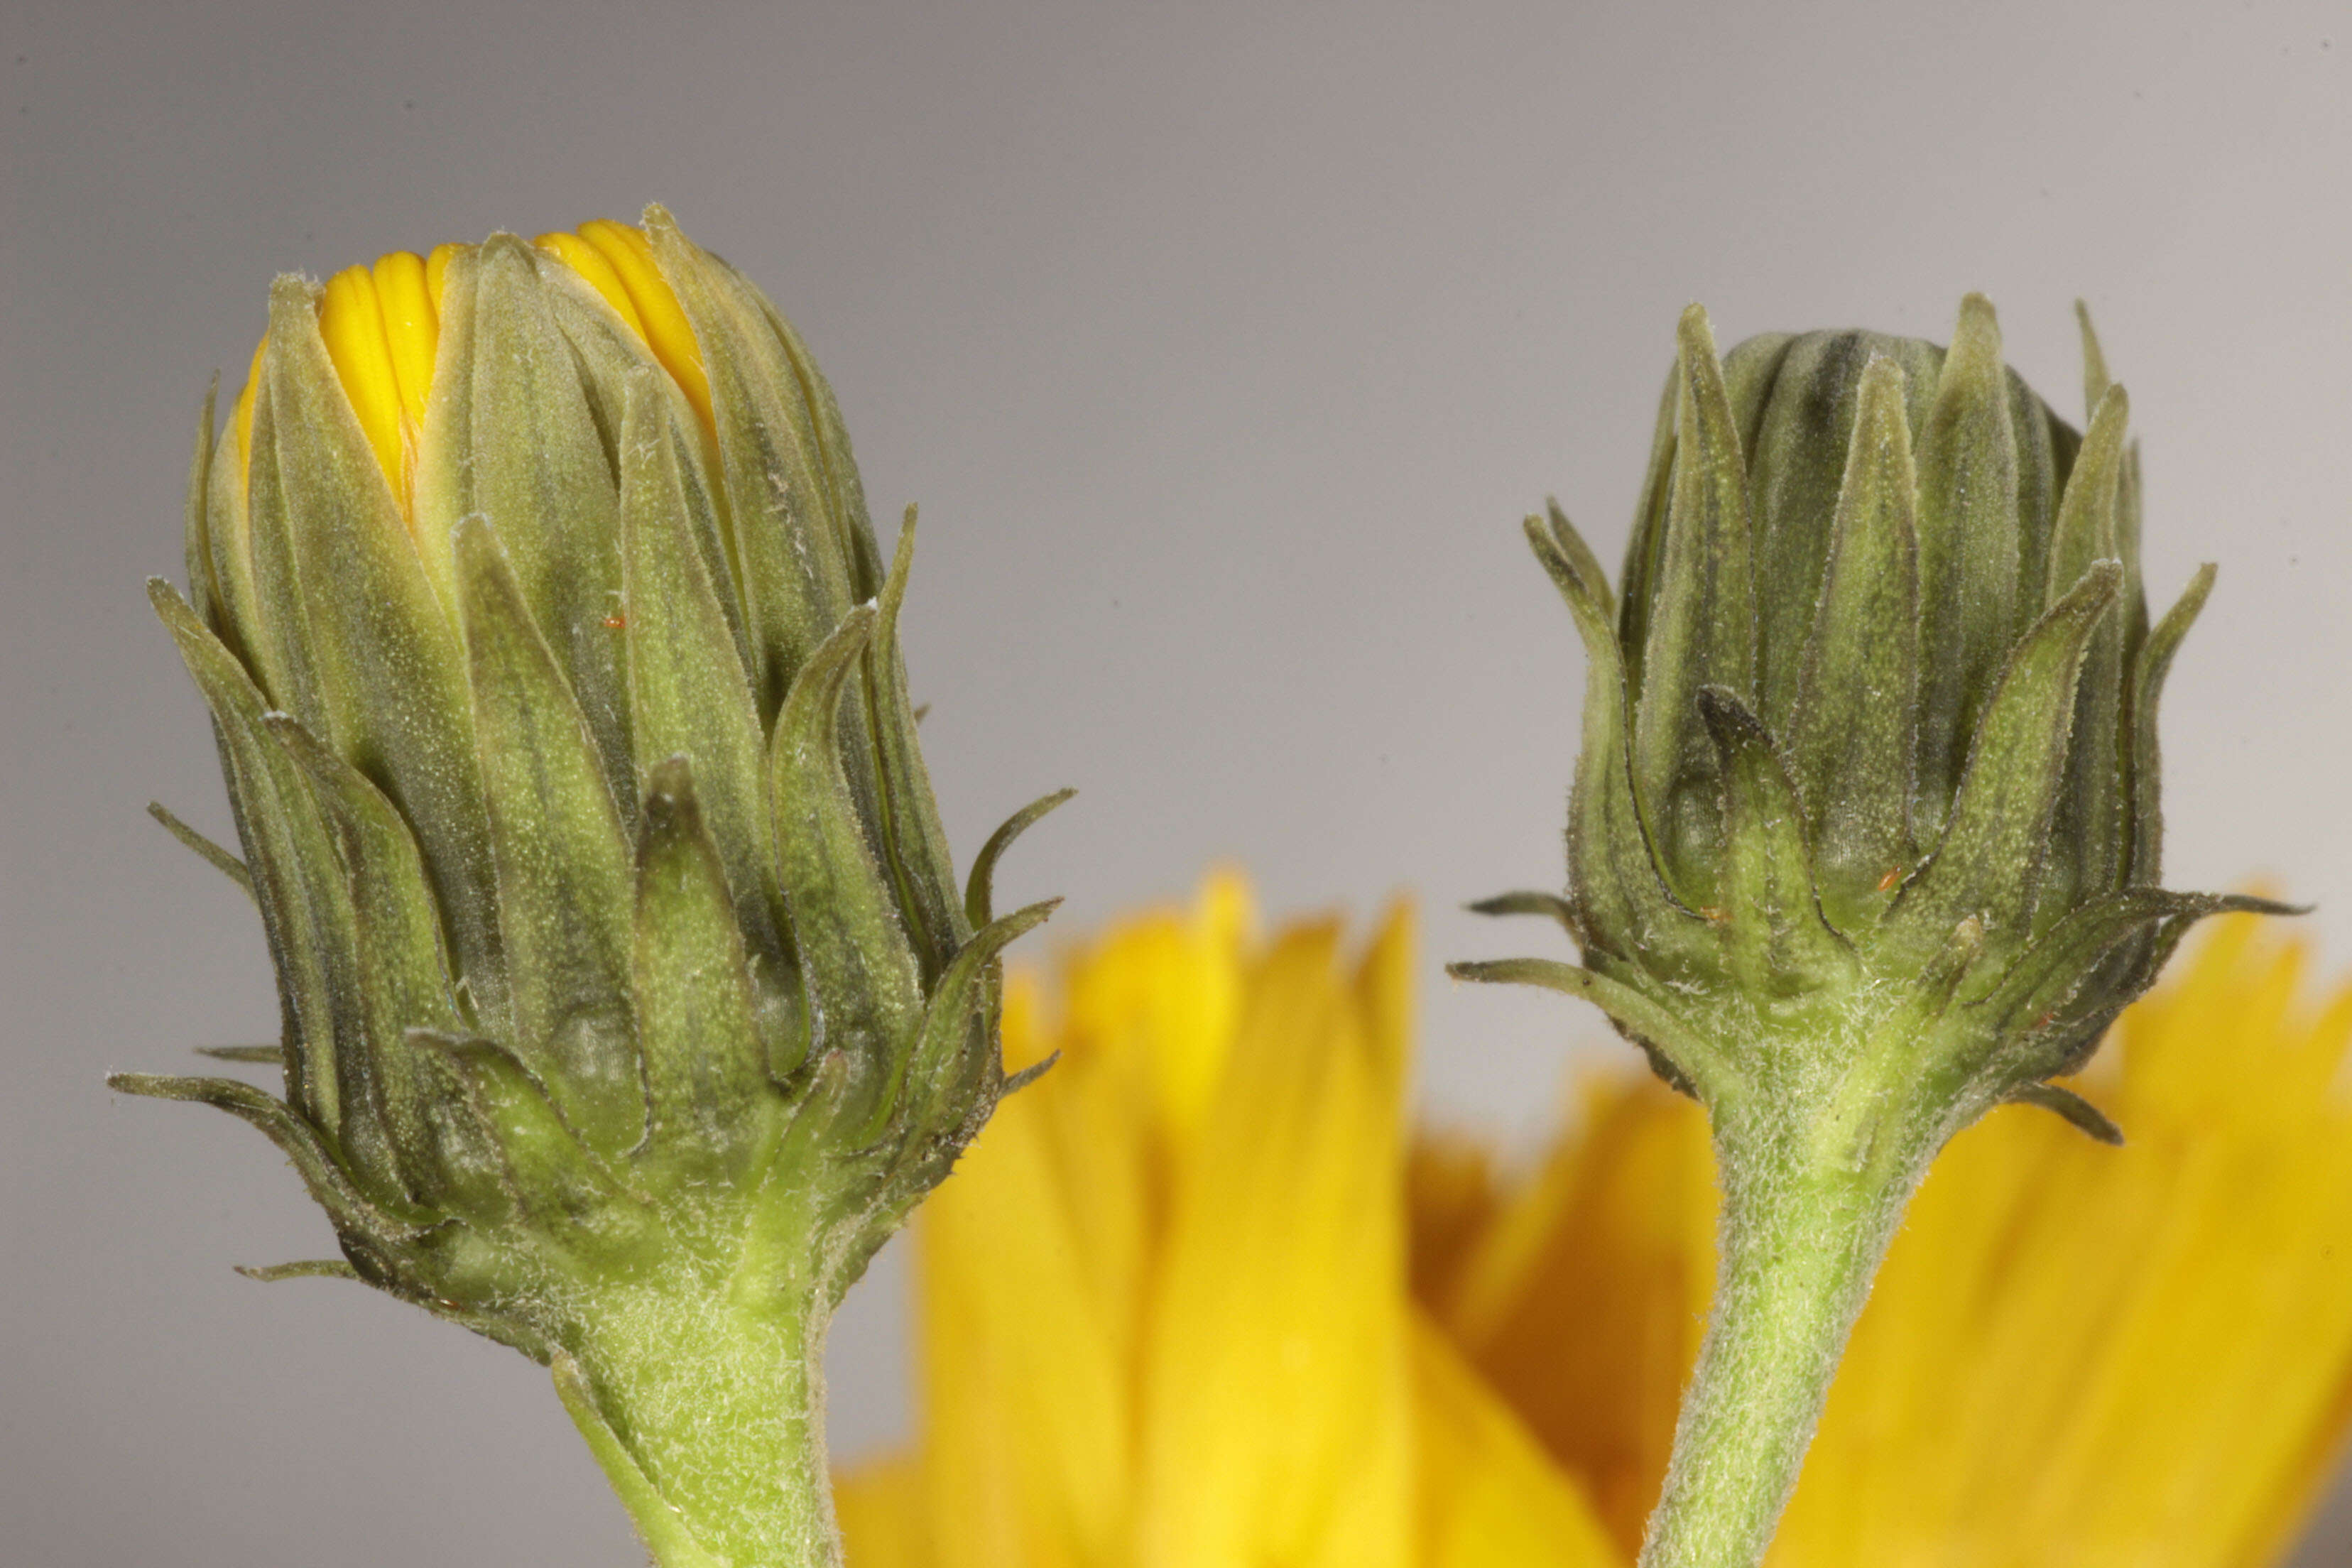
x: 1276, y: 1391
x: 883, y: 1523
x: 241, y: 420
x: 1156, y: 1004
x: 382, y: 328
x: 412, y: 330
x: 436, y: 271
x: 600, y: 273
x: 659, y: 316
x: 1583, y: 1300
x: 1026, y: 1357
x: 1490, y: 1497
x: 351, y: 319
x: 1452, y: 1196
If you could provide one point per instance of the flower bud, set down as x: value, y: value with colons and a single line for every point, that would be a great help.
x: 555, y: 670
x: 1870, y: 739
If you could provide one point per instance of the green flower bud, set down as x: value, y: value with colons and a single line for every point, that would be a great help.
x: 1864, y: 836
x: 628, y: 1000
x: 1870, y: 740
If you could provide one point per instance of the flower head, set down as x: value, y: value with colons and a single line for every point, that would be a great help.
x: 1870, y: 763
x: 629, y: 999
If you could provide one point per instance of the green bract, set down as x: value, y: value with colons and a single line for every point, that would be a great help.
x: 1864, y: 836
x: 629, y: 1001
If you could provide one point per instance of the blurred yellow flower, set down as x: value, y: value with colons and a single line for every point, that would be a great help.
x: 1195, y: 1301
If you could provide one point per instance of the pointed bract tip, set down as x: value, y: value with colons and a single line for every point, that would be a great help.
x: 1882, y: 379
x: 999, y: 934
x: 1694, y: 334
x: 472, y: 531
x: 670, y: 798
x: 273, y: 1056
x: 1976, y: 335
x: 2253, y: 904
x: 503, y: 243
x: 1724, y: 712
x: 149, y: 1085
x: 2114, y: 406
x: 308, y: 1269
x: 673, y: 775
x: 2087, y: 1118
x: 1015, y: 1082
x: 2096, y: 376
x: 2100, y: 581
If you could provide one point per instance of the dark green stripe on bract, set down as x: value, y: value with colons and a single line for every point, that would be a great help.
x: 398, y: 953
x: 1799, y: 467
x: 1702, y: 630
x: 2090, y: 835
x: 863, y: 979
x: 912, y: 836
x: 1991, y: 861
x: 563, y: 863
x: 1778, y: 947
x: 204, y: 590
x: 689, y: 694
x: 1853, y: 734
x: 552, y: 497
x: 1969, y: 550
x: 713, y: 1110
x: 2154, y: 663
x: 796, y: 582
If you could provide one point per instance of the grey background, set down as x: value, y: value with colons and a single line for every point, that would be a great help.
x: 1224, y: 346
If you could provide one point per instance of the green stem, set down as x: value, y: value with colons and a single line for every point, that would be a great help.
x: 1806, y: 1222
x: 709, y: 1418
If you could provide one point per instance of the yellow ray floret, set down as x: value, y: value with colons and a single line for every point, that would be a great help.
x: 382, y: 326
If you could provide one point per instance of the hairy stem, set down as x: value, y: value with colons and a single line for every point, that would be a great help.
x: 708, y: 1419
x: 1806, y: 1222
